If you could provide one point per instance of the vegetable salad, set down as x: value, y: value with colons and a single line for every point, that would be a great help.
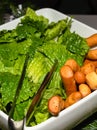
x: 44, y: 42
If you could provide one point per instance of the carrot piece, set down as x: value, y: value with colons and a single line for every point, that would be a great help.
x: 55, y: 105
x: 66, y: 103
x: 92, y: 40
x: 91, y: 80
x: 73, y: 64
x: 87, y: 68
x: 96, y: 70
x: 92, y: 54
x: 73, y: 98
x: 67, y: 76
x: 84, y: 89
x: 90, y: 61
x: 79, y: 77
x: 86, y: 61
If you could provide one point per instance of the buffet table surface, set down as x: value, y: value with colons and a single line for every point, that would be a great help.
x: 90, y: 20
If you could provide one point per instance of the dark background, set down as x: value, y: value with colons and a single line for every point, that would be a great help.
x: 70, y: 6
x: 65, y: 6
x: 11, y: 7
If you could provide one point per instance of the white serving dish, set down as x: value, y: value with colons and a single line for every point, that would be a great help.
x: 76, y: 113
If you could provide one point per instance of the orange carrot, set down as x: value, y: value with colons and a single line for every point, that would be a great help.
x: 55, y: 105
x: 66, y: 103
x: 87, y: 68
x: 79, y: 77
x: 92, y: 40
x: 84, y: 89
x: 67, y: 76
x: 90, y: 61
x: 91, y: 80
x: 72, y: 98
x: 86, y: 61
x: 73, y: 64
x: 92, y: 54
x: 96, y: 70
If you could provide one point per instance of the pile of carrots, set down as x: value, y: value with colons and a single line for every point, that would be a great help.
x: 78, y: 81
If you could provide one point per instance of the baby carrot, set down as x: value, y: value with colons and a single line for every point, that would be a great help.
x: 87, y: 68
x: 67, y: 76
x: 92, y: 40
x: 72, y: 98
x: 84, y: 89
x: 79, y: 77
x: 94, y: 62
x: 91, y: 80
x: 92, y: 54
x: 73, y: 64
x: 55, y: 105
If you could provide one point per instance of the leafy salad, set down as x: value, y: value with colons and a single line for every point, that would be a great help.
x: 45, y: 42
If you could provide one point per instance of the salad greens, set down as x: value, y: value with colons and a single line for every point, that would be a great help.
x: 44, y: 42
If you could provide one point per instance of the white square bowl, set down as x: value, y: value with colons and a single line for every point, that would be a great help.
x: 76, y: 113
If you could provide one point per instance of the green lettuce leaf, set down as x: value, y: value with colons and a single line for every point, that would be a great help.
x: 39, y: 22
x: 8, y: 83
x: 57, y: 29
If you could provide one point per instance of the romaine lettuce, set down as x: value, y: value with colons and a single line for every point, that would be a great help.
x: 44, y: 42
